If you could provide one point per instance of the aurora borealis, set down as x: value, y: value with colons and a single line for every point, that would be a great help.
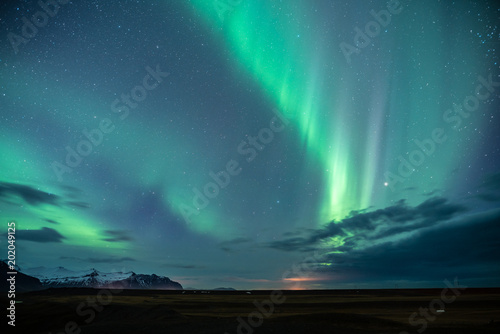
x: 220, y: 142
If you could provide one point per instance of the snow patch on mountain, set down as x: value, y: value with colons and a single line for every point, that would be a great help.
x: 62, y: 277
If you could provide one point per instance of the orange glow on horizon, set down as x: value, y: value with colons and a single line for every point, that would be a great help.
x: 305, y: 279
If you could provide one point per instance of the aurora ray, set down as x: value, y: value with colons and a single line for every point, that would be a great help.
x: 265, y: 140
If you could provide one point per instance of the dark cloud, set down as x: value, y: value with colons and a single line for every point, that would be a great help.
x: 45, y: 234
x: 28, y: 194
x: 80, y: 205
x: 117, y: 236
x: 438, y: 209
x: 467, y: 248
x: 51, y: 221
x: 11, y: 193
x: 427, y: 242
x: 376, y: 224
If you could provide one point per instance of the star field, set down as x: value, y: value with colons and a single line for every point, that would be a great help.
x: 219, y: 142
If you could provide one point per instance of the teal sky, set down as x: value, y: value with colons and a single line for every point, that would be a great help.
x: 220, y: 142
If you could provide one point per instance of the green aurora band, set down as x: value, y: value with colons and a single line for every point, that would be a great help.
x: 274, y: 45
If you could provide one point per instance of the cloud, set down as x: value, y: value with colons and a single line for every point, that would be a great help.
x: 11, y: 193
x: 377, y: 224
x: 117, y: 236
x: 80, y: 205
x: 45, y: 234
x: 426, y: 242
x: 51, y: 221
x: 28, y: 194
x: 466, y: 248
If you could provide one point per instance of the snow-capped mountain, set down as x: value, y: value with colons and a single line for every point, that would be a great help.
x: 61, y: 277
x: 153, y: 281
x: 59, y: 272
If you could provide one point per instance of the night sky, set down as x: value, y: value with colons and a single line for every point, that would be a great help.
x: 220, y: 142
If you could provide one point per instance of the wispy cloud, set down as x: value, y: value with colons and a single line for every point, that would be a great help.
x: 377, y: 224
x: 183, y: 266
x: 45, y: 234
x: 466, y: 247
x: 117, y: 236
x: 10, y: 192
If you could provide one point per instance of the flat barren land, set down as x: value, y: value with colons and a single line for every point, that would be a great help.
x: 331, y: 311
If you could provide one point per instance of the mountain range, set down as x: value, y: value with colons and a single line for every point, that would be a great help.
x: 41, y: 277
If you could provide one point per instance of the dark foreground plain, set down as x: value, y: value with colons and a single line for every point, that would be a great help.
x: 197, y: 312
